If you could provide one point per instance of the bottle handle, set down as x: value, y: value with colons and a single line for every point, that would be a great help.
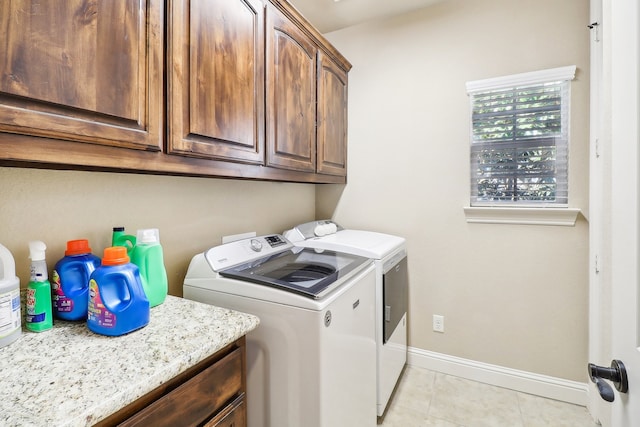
x: 128, y: 241
x: 123, y: 303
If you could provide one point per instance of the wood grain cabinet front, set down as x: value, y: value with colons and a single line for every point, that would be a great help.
x: 252, y: 89
x: 213, y: 393
x: 216, y: 79
x: 83, y: 70
x: 331, y: 117
x: 291, y: 94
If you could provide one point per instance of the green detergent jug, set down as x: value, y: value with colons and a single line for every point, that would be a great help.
x: 148, y: 256
x: 118, y: 238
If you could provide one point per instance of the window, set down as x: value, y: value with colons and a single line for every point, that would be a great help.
x: 520, y: 139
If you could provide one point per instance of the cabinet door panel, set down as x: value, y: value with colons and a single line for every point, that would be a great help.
x: 235, y: 415
x: 195, y: 401
x: 216, y: 106
x: 83, y: 70
x: 291, y: 95
x: 332, y: 117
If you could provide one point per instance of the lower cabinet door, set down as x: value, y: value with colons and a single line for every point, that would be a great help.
x: 235, y: 415
x: 198, y: 399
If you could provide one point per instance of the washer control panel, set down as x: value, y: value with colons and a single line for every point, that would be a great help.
x: 275, y: 240
x: 245, y: 250
x: 256, y: 245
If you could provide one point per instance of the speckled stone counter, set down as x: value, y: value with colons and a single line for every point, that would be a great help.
x: 69, y: 376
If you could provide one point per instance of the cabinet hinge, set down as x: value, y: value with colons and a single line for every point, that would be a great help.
x: 594, y: 28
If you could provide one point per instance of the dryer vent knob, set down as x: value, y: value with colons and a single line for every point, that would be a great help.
x: 331, y: 228
x: 319, y: 231
x: 325, y: 229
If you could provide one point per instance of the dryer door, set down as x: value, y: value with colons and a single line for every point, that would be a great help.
x: 395, y: 282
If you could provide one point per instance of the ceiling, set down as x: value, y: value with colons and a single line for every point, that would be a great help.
x: 331, y: 15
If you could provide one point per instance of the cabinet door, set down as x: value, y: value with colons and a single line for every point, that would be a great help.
x: 332, y: 117
x: 216, y: 79
x: 235, y: 415
x: 200, y: 398
x: 291, y: 95
x: 80, y: 70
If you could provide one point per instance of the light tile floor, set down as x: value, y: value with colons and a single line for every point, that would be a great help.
x: 425, y: 398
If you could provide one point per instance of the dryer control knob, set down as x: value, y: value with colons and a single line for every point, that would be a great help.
x: 320, y: 230
x: 256, y: 245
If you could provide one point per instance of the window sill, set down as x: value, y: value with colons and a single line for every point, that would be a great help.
x: 528, y: 216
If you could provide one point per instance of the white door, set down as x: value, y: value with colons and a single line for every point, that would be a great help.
x: 620, y: 97
x: 625, y: 253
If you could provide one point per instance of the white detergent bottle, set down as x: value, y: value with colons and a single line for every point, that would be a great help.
x: 10, y: 320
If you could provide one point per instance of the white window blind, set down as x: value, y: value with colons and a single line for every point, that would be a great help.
x: 520, y: 139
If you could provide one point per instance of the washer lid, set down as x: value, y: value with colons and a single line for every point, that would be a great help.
x: 308, y: 272
x: 368, y: 244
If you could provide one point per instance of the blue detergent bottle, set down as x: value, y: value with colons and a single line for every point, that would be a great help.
x: 117, y: 302
x: 70, y: 281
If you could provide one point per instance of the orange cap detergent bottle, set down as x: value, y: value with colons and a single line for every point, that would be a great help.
x: 70, y: 281
x: 117, y: 302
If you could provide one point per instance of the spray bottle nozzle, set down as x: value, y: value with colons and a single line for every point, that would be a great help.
x: 37, y: 250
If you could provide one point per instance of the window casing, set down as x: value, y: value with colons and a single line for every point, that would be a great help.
x: 520, y: 139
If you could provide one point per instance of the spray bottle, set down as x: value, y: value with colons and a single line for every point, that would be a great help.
x: 39, y: 314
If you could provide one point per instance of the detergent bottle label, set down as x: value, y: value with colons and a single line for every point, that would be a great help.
x: 32, y: 306
x: 61, y: 303
x: 98, y: 313
x: 9, y: 312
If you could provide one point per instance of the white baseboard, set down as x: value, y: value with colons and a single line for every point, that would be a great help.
x: 525, y: 382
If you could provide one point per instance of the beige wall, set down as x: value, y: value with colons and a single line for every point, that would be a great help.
x: 512, y: 295
x: 191, y: 213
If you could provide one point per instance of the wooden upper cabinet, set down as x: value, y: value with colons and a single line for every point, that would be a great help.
x: 216, y: 79
x: 332, y: 117
x: 83, y: 70
x: 291, y: 94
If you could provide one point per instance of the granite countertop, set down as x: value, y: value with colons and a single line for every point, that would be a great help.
x: 70, y: 376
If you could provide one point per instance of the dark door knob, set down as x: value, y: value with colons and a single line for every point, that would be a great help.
x: 617, y: 374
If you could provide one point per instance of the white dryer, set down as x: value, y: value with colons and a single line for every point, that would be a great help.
x: 312, y: 360
x: 390, y: 258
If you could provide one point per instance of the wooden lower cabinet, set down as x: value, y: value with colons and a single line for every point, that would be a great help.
x: 212, y: 393
x: 235, y: 415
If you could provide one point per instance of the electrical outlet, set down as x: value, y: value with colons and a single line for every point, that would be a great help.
x: 438, y: 323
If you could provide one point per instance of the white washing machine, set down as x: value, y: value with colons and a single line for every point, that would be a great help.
x: 312, y: 360
x: 390, y: 257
